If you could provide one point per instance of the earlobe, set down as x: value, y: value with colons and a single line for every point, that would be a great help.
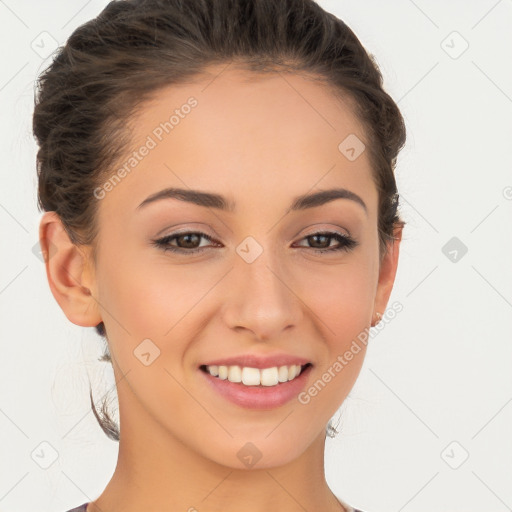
x: 387, y: 273
x: 66, y: 266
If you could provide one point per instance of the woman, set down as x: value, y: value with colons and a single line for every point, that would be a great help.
x: 218, y: 182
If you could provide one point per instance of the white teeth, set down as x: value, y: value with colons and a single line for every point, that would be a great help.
x: 223, y: 372
x: 251, y: 376
x: 255, y: 376
x: 283, y: 374
x: 269, y: 376
x: 234, y: 374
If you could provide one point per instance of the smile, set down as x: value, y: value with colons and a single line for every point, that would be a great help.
x: 248, y: 376
x: 257, y: 388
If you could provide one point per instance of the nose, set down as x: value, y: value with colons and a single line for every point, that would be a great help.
x: 261, y: 298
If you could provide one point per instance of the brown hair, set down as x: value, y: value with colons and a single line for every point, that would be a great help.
x: 112, y: 63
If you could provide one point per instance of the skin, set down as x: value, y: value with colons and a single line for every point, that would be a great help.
x: 261, y: 141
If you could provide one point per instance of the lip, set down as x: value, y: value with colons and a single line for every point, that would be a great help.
x: 258, y: 397
x: 259, y: 361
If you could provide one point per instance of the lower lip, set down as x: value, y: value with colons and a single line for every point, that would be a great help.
x: 258, y: 397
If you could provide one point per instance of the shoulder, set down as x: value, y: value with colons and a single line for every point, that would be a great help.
x: 346, y: 506
x: 81, y: 508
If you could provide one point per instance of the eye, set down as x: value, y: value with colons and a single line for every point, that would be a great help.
x: 188, y: 239
x: 345, y: 242
x: 187, y: 242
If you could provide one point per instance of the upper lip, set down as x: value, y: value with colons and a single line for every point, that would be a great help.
x: 259, y: 361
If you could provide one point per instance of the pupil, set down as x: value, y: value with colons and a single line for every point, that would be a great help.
x: 188, y: 237
x: 319, y: 236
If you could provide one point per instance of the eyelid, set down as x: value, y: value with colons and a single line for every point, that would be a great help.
x: 345, y: 242
x: 315, y: 231
x: 190, y: 227
x: 322, y: 228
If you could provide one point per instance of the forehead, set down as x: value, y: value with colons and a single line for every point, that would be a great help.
x: 242, y: 103
x: 252, y: 133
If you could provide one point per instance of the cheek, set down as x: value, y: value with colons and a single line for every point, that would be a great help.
x: 341, y: 296
x: 156, y: 300
x: 341, y: 302
x: 147, y: 297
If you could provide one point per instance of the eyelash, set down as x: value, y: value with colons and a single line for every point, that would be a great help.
x: 346, y: 242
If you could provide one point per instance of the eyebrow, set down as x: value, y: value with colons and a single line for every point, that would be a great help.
x: 217, y: 201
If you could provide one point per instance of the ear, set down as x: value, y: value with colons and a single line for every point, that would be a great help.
x: 68, y: 269
x: 387, y: 272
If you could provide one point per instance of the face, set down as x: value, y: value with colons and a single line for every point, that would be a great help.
x: 180, y: 284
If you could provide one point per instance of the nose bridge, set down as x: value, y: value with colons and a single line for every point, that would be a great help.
x: 262, y: 299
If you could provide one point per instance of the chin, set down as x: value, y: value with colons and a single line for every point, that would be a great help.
x: 257, y: 452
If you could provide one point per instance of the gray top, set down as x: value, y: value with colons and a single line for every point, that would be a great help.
x: 83, y: 507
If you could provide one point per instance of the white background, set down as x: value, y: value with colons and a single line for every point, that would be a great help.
x: 439, y: 375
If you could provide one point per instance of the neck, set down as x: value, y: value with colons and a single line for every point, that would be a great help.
x: 157, y: 472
